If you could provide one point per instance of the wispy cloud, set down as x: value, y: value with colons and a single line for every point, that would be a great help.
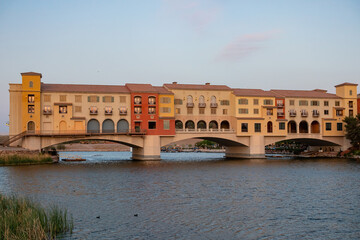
x: 245, y: 45
x: 197, y: 13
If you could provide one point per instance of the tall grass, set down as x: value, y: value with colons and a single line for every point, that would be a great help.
x: 18, y: 159
x: 22, y: 219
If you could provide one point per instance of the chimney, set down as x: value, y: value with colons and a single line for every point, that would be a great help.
x: 320, y: 90
x: 174, y: 83
x: 207, y: 83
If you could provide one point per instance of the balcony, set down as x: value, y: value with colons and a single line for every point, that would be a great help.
x: 108, y: 112
x: 122, y: 112
x: 202, y: 105
x: 280, y: 104
x: 93, y: 112
x: 293, y: 114
x: 213, y: 105
x: 316, y: 113
x: 280, y: 114
x: 47, y: 112
x: 190, y: 105
x: 304, y: 114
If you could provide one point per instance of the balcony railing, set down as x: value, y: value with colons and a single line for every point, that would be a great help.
x: 304, y: 114
x: 280, y: 114
x: 213, y: 105
x: 292, y: 114
x: 190, y: 105
x: 108, y: 112
x: 279, y: 104
x: 316, y: 113
x: 123, y: 112
x: 202, y: 105
x: 93, y: 112
x: 211, y: 130
x: 47, y: 112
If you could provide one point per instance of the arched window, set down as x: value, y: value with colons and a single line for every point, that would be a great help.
x: 213, y: 99
x: 303, y: 127
x: 292, y: 127
x: 315, y: 127
x: 201, y: 125
x: 225, y: 125
x: 190, y: 125
x: 213, y: 125
x: 201, y: 99
x: 122, y: 126
x: 152, y: 100
x: 93, y: 126
x: 189, y: 99
x: 108, y: 126
x: 137, y: 100
x: 31, y: 84
x: 31, y: 126
x: 269, y: 127
x: 179, y: 125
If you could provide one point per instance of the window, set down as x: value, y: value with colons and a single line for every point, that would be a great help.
x: 282, y: 126
x: 351, y: 113
x: 350, y: 92
x: 339, y: 112
x: 225, y: 102
x: 78, y: 98
x: 303, y: 103
x: 31, y: 109
x: 122, y: 110
x: 166, y: 124
x: 177, y: 111
x: 62, y: 109
x: 122, y: 99
x: 244, y: 127
x: 268, y: 102
x: 152, y: 125
x: 257, y: 127
x: 78, y: 109
x: 256, y: 101
x: 315, y: 103
x: 108, y: 110
x: 152, y: 100
x: 339, y: 126
x: 243, y: 111
x: 47, y: 98
x: 165, y: 100
x: 93, y: 110
x: 225, y: 111
x: 137, y: 100
x: 178, y: 101
x: 31, y: 98
x: 47, y: 109
x: 31, y: 84
x: 137, y: 110
x: 213, y: 111
x: 269, y: 111
x: 62, y: 98
x: 280, y: 112
x: 292, y: 102
x: 201, y: 110
x: 328, y: 126
x: 351, y: 104
x: 279, y: 103
x: 93, y: 99
x: 108, y: 99
x: 165, y: 110
x: 152, y: 110
x: 189, y: 111
x: 256, y: 111
x: 326, y: 112
x: 243, y: 101
x: 326, y: 103
x: 337, y: 103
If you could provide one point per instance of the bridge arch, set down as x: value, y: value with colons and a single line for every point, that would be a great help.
x: 179, y: 125
x: 292, y: 127
x: 93, y: 126
x: 122, y: 126
x: 315, y: 127
x: 190, y: 124
x: 224, y: 141
x: 201, y: 124
x: 213, y: 125
x: 303, y: 127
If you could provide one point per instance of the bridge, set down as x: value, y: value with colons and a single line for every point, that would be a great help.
x: 147, y: 147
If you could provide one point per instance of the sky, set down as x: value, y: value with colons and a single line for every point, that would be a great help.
x: 303, y: 45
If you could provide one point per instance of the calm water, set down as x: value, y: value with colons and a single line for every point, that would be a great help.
x: 197, y: 196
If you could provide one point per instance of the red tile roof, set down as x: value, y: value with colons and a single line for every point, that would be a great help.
x: 31, y: 74
x: 163, y: 90
x: 346, y: 83
x: 206, y: 87
x: 137, y: 87
x: 252, y: 92
x: 304, y: 93
x: 80, y: 88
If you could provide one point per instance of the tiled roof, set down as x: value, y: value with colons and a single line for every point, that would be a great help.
x: 80, y: 88
x: 304, y: 93
x: 346, y: 83
x: 252, y: 92
x: 136, y: 87
x: 31, y: 74
x: 206, y: 87
x: 163, y: 90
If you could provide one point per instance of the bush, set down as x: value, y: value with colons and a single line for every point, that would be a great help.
x: 18, y: 159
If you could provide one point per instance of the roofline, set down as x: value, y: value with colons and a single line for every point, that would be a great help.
x: 346, y: 84
x: 31, y: 74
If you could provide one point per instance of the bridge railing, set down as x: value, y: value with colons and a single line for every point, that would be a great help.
x: 201, y: 130
x: 82, y: 132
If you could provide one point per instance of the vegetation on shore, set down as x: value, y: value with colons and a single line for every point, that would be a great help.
x: 352, y: 126
x: 24, y: 158
x: 21, y: 219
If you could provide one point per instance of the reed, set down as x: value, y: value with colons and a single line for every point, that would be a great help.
x: 26, y: 158
x: 22, y: 219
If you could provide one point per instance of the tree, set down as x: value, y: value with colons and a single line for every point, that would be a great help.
x: 352, y: 126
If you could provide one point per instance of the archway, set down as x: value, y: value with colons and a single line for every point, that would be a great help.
x: 303, y: 127
x: 190, y: 125
x: 62, y: 126
x: 108, y: 126
x: 122, y: 126
x: 93, y: 126
x: 225, y: 125
x: 179, y: 125
x: 292, y: 127
x: 213, y: 125
x: 31, y: 126
x: 201, y: 125
x: 269, y: 127
x: 315, y: 127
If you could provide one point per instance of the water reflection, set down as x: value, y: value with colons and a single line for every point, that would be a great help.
x: 191, y: 196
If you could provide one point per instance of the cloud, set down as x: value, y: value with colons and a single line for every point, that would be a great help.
x: 245, y: 45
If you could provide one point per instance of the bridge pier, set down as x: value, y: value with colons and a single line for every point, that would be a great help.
x: 150, y: 151
x: 256, y: 149
x: 32, y: 143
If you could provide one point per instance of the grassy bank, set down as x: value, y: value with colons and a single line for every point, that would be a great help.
x: 19, y: 159
x: 23, y: 219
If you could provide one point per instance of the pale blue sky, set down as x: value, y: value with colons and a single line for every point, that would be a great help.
x: 244, y: 44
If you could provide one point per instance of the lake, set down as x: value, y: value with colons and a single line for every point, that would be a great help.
x: 196, y: 196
